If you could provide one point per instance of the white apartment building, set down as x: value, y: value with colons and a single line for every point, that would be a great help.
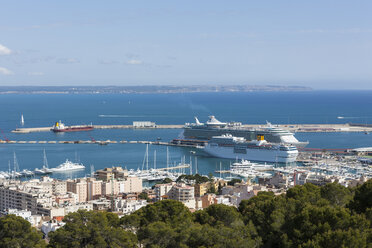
x: 183, y: 193
x: 162, y: 190
x: 129, y: 206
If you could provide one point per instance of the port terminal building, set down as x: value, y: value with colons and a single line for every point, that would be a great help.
x: 144, y: 124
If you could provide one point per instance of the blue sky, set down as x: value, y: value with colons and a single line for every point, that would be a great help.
x: 321, y: 44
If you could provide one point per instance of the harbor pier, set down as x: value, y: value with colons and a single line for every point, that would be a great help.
x: 295, y: 128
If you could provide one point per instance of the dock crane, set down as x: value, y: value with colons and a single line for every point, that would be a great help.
x: 5, y: 138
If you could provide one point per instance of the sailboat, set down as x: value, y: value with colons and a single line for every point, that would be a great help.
x: 15, y: 172
x: 22, y: 120
x: 45, y: 169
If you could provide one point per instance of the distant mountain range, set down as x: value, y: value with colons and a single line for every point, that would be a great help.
x: 153, y: 89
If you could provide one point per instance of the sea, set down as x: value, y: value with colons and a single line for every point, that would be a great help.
x: 41, y: 110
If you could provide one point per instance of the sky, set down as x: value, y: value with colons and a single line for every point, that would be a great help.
x: 322, y: 44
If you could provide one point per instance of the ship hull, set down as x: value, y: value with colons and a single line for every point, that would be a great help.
x: 261, y: 155
x: 67, y: 170
x: 207, y: 134
x: 73, y: 129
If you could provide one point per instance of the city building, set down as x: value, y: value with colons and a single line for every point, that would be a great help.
x: 201, y: 189
x: 183, y: 193
x: 143, y: 124
x: 161, y: 190
x: 111, y: 173
x: 34, y: 220
x: 127, y: 206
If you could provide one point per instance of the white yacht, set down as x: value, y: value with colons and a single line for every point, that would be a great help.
x: 26, y: 172
x: 68, y: 166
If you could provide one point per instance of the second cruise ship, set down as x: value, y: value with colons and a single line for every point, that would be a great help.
x: 213, y: 127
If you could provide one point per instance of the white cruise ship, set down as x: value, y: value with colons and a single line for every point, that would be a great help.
x: 228, y: 146
x: 214, y: 127
x: 68, y: 166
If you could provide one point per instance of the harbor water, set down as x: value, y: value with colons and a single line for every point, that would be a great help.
x: 253, y: 107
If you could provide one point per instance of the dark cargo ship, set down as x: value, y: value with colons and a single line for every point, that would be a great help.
x: 59, y: 127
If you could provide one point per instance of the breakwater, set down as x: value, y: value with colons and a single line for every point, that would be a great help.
x: 297, y: 128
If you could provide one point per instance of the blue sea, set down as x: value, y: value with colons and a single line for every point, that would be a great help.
x: 248, y: 107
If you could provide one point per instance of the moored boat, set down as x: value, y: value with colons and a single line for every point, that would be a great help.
x: 68, y: 166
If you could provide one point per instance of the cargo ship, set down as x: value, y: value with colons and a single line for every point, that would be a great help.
x: 230, y: 147
x: 214, y: 127
x: 60, y: 127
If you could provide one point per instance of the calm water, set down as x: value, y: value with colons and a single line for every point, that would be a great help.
x: 256, y: 107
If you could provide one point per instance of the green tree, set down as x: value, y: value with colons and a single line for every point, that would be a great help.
x: 159, y: 234
x: 192, y: 178
x: 219, y: 190
x: 217, y: 214
x: 222, y: 236
x: 144, y: 196
x: 339, y: 238
x: 168, y: 211
x: 308, y: 193
x: 212, y: 188
x: 336, y: 194
x: 92, y: 229
x: 362, y: 198
x: 210, y: 176
x: 233, y: 181
x: 166, y: 180
x: 17, y: 232
x: 267, y: 213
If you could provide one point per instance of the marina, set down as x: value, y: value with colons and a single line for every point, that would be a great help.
x: 115, y: 140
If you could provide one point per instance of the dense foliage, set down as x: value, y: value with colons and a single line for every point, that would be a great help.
x: 193, y: 178
x: 307, y: 216
x: 17, y: 232
x: 234, y: 181
x: 92, y: 229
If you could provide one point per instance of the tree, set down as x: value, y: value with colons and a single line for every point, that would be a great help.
x: 219, y: 190
x: 210, y: 176
x: 362, y: 198
x: 168, y: 211
x: 17, y: 232
x: 92, y: 229
x: 338, y: 238
x: 144, y: 196
x: 336, y: 194
x: 158, y: 234
x: 222, y: 236
x: 233, y: 181
x: 195, y: 178
x: 308, y: 193
x: 212, y: 188
x: 219, y: 214
x: 166, y: 180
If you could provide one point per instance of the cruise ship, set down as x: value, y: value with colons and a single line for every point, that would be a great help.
x: 68, y: 166
x: 213, y: 127
x: 231, y: 147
